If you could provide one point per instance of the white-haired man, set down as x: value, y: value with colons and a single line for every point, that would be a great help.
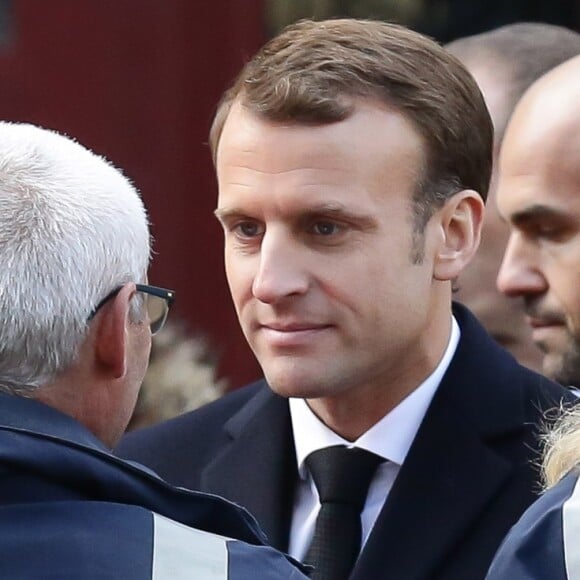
x: 76, y: 320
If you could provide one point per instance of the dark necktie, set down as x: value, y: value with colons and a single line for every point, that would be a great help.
x: 342, y: 477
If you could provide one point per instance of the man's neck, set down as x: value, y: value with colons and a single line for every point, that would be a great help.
x: 353, y: 412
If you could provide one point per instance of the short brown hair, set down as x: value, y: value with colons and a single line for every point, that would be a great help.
x: 312, y: 71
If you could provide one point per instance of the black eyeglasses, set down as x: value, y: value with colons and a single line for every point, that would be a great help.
x: 157, y: 302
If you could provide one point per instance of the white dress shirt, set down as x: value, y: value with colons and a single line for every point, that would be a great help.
x: 390, y: 438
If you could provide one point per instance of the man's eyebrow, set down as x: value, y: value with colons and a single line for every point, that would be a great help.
x: 328, y: 210
x: 225, y: 214
x: 537, y: 211
x: 334, y: 210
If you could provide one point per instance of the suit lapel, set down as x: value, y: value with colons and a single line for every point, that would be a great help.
x: 435, y: 499
x: 258, y: 468
x: 453, y: 468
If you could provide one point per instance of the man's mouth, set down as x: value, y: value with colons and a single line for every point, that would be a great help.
x: 293, y: 326
x: 290, y: 334
x: 538, y: 323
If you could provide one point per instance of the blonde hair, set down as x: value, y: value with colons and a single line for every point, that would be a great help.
x: 562, y: 448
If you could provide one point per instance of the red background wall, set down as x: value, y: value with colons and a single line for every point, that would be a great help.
x: 138, y: 81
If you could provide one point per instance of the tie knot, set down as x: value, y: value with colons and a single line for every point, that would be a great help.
x: 343, y: 475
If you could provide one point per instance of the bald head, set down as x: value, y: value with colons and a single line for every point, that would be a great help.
x: 539, y: 195
x: 548, y: 117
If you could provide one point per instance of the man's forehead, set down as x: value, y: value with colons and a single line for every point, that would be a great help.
x: 243, y: 126
x: 539, y: 166
x: 370, y: 144
x: 523, y: 199
x: 513, y: 195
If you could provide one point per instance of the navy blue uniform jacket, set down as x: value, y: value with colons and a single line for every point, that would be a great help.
x: 545, y: 543
x: 469, y: 475
x: 70, y: 509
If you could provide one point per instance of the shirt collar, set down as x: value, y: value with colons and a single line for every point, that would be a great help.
x: 391, y: 437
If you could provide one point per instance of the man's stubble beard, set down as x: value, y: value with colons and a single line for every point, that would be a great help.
x: 566, y: 368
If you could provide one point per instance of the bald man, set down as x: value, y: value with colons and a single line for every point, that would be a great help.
x: 505, y: 62
x: 539, y: 194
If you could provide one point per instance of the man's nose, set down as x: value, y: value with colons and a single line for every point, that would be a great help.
x: 282, y: 269
x: 520, y: 273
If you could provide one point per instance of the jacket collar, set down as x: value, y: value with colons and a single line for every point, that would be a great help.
x: 258, y: 469
x: 31, y: 416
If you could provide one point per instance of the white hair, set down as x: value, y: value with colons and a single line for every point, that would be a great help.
x: 72, y: 229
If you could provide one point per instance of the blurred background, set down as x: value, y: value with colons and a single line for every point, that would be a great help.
x: 138, y: 82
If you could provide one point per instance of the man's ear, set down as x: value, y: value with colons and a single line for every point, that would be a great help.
x: 460, y: 222
x: 111, y: 333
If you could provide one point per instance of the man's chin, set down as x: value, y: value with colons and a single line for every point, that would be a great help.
x: 563, y: 368
x: 290, y: 389
x: 286, y: 384
x: 295, y: 385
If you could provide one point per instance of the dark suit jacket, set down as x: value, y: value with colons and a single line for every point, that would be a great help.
x: 469, y: 474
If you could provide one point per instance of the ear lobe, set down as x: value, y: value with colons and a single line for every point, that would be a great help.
x: 461, y: 222
x: 111, y: 334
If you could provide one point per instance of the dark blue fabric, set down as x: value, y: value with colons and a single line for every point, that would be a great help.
x: 70, y: 509
x: 534, y: 548
x: 75, y: 540
x: 51, y: 450
x: 244, y: 565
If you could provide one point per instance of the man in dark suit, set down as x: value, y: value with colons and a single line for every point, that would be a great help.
x: 353, y: 159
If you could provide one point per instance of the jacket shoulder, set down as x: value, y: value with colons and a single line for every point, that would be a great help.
x: 534, y: 549
x: 543, y: 396
x: 73, y: 540
x: 176, y: 449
